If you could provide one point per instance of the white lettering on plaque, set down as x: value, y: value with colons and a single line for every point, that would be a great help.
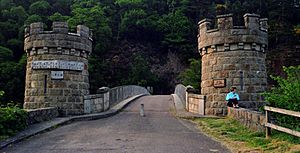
x: 57, y: 75
x: 57, y: 64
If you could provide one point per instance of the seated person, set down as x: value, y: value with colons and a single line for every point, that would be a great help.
x: 232, y: 98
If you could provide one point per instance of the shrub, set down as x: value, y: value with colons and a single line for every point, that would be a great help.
x: 286, y: 95
x: 12, y: 119
x: 192, y: 75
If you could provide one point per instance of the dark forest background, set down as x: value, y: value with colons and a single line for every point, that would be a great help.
x: 143, y: 42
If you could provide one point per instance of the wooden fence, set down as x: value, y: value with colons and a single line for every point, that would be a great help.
x: 270, y: 126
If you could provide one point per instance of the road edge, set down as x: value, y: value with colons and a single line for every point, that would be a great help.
x: 38, y: 128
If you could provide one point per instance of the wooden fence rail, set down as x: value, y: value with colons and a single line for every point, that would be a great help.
x: 270, y: 126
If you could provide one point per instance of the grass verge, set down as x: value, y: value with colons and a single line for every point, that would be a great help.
x: 240, y: 139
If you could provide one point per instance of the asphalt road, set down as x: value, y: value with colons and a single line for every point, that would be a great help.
x: 126, y: 132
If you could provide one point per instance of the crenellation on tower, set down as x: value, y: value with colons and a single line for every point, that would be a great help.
x: 233, y: 56
x: 36, y: 28
x: 57, y: 67
x: 83, y: 31
x: 254, y: 31
x: 251, y: 21
x: 57, y: 41
x: 60, y: 27
x: 205, y: 24
x: 263, y: 24
x: 225, y: 21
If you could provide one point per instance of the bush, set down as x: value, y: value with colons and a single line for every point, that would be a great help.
x: 192, y: 75
x: 12, y: 120
x: 286, y: 95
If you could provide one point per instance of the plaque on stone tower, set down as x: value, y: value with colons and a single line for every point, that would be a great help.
x: 58, y: 64
x: 219, y: 83
x: 57, y: 75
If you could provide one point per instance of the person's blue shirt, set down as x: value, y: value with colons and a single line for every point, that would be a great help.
x: 232, y: 95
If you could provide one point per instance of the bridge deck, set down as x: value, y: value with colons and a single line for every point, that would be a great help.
x: 157, y: 132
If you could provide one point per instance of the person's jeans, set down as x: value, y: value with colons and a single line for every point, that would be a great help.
x: 232, y: 102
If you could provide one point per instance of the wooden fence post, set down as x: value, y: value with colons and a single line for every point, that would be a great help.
x: 268, y: 129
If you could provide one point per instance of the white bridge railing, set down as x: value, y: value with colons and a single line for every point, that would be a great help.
x: 107, y: 97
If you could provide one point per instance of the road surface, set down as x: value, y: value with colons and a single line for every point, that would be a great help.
x: 126, y: 132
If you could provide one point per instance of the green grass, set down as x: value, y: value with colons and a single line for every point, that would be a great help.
x: 232, y: 132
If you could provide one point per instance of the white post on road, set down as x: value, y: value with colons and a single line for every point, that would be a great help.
x: 142, y: 113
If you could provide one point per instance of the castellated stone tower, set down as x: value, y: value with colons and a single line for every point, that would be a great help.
x: 233, y: 56
x: 57, y: 67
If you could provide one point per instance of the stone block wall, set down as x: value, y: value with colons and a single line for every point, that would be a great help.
x: 196, y: 103
x: 232, y: 56
x: 96, y: 103
x: 252, y: 119
x: 41, y: 114
x: 57, y: 67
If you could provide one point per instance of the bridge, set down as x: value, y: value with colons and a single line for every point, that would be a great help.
x: 158, y: 131
x: 57, y: 84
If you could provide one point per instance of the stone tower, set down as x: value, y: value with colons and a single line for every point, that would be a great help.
x: 57, y: 67
x: 233, y: 56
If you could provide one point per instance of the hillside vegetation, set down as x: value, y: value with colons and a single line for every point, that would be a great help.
x: 143, y: 42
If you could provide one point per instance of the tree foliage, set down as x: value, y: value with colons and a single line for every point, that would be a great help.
x: 129, y: 32
x: 192, y: 75
x: 12, y: 120
x: 58, y: 17
x: 140, y: 73
x: 40, y: 8
x: 286, y: 95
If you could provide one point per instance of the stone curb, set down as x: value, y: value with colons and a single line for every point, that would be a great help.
x: 48, y: 125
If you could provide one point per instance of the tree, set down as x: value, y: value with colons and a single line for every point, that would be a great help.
x: 6, y: 4
x: 286, y: 95
x: 91, y: 14
x: 19, y: 14
x: 133, y: 18
x: 41, y: 8
x: 176, y: 28
x: 33, y: 18
x: 5, y: 54
x: 192, y: 75
x: 140, y: 73
x: 281, y: 21
x: 129, y: 14
x: 62, y: 6
x: 12, y: 76
x: 58, y: 17
x: 17, y: 46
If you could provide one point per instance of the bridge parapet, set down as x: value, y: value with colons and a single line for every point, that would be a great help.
x: 180, y: 91
x: 191, y: 102
x: 109, y: 97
